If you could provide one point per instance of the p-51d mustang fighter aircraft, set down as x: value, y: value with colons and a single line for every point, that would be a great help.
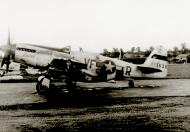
x: 90, y: 67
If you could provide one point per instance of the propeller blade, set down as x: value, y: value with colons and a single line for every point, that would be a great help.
x: 9, y: 38
x: 8, y: 54
x: 2, y: 62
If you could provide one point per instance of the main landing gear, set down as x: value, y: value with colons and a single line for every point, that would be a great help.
x: 44, y: 85
x: 44, y: 82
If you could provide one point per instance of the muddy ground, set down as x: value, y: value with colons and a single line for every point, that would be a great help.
x: 144, y: 108
x: 99, y: 114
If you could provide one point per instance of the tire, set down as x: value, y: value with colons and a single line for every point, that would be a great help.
x: 41, y: 89
x: 131, y: 84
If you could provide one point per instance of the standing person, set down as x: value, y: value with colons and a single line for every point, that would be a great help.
x: 70, y: 75
x: 103, y: 74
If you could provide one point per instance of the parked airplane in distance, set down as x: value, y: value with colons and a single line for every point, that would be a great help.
x: 90, y: 67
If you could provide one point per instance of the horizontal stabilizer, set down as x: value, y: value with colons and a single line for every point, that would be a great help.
x: 148, y: 70
x: 66, y: 49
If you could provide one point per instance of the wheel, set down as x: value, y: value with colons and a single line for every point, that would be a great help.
x: 131, y: 84
x: 41, y: 89
x: 43, y: 86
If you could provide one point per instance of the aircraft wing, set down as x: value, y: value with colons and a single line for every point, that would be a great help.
x: 61, y: 63
x: 147, y: 70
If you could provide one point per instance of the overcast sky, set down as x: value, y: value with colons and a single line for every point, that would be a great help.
x: 96, y: 24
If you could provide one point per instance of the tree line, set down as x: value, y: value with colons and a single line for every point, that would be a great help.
x: 116, y: 52
x: 136, y: 52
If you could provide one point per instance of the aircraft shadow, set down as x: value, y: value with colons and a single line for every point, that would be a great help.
x: 78, y: 98
x: 60, y: 98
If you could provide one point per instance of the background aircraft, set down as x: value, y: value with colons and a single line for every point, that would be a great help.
x: 89, y: 66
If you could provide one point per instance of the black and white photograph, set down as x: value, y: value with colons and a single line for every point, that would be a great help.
x: 94, y: 65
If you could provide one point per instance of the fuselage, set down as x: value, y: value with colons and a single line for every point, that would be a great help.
x: 129, y: 69
x: 38, y: 56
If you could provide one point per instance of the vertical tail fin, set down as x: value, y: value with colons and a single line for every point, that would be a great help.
x: 158, y: 60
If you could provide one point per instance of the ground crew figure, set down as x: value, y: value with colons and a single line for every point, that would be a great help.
x: 103, y: 73
x: 70, y: 75
x: 128, y: 71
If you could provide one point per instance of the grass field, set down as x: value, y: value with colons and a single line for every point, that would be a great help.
x: 178, y: 71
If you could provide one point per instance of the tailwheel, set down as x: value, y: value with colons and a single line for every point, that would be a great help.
x: 43, y: 85
x: 131, y: 83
